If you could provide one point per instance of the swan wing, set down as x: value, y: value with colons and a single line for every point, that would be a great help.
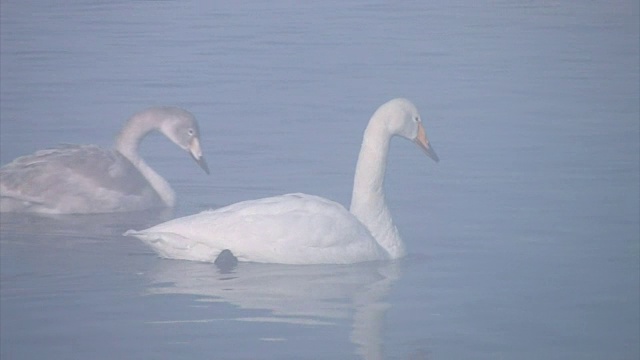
x: 72, y: 178
x: 287, y: 229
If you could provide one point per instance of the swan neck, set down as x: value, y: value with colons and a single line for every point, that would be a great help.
x: 134, y: 130
x: 368, y: 202
x: 127, y: 144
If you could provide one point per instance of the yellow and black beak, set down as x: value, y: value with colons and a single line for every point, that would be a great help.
x: 196, y: 154
x: 423, y: 142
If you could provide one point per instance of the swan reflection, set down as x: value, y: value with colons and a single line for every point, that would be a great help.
x: 320, y: 295
x: 43, y: 227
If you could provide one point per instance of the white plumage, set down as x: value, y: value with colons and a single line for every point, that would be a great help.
x: 278, y: 229
x: 300, y: 228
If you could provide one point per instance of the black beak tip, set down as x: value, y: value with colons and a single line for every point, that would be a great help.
x: 201, y: 162
x: 204, y: 166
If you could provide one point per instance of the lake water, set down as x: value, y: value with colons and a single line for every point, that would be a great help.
x: 524, y: 241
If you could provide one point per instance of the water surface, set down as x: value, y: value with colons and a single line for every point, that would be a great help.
x: 524, y: 240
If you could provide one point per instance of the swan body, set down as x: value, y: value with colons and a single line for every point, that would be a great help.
x: 84, y: 179
x: 289, y: 229
x: 300, y: 228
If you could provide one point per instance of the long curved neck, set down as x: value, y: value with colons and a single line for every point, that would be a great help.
x: 127, y: 144
x: 368, y: 201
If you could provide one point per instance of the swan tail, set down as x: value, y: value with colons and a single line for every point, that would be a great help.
x: 174, y: 246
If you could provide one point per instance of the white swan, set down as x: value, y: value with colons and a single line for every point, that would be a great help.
x: 300, y: 228
x: 83, y: 179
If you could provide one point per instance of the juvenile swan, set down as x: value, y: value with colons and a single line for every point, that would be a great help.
x: 300, y: 228
x: 84, y: 179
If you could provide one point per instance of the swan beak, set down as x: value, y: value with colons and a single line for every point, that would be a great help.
x: 423, y: 142
x: 196, y: 154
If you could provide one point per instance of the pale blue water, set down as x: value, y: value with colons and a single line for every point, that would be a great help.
x: 524, y: 240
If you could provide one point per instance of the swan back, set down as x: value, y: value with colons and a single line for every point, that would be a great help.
x: 287, y: 229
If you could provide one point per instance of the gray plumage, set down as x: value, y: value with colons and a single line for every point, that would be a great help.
x: 88, y: 179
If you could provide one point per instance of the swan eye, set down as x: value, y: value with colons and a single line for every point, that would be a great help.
x: 416, y: 119
x: 190, y: 132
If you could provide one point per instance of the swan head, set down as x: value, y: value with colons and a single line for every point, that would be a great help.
x: 403, y: 119
x: 181, y: 127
